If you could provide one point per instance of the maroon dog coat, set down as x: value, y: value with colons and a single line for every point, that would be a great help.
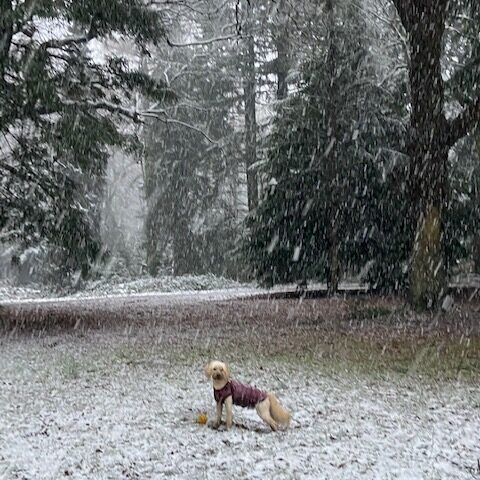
x: 242, y: 395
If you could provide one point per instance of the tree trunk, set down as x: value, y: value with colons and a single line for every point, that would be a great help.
x: 282, y: 47
x: 282, y: 67
x: 150, y: 182
x: 250, y: 118
x: 428, y: 273
x: 6, y: 33
x: 152, y: 253
x: 428, y: 156
x: 332, y: 158
x: 183, y: 262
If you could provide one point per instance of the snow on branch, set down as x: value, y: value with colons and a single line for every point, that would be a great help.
x: 136, y: 116
x: 104, y: 105
x: 405, y: 12
x: 162, y: 116
x: 204, y: 42
x: 64, y: 42
x: 186, y: 5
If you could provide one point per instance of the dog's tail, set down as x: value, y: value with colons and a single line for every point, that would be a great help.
x: 277, y: 412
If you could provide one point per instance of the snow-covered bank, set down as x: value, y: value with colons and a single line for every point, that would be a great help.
x: 184, y: 288
x: 178, y: 289
x: 148, y: 286
x: 113, y: 406
x: 167, y: 297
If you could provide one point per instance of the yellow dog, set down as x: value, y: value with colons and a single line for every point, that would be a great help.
x: 230, y: 392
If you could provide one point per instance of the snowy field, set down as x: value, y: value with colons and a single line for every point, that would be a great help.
x: 111, y: 389
x: 121, y: 403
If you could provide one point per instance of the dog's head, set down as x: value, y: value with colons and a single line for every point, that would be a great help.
x: 217, y: 370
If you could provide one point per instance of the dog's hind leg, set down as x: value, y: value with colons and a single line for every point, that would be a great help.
x: 263, y: 410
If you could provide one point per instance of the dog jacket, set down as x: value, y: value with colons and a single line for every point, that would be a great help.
x: 242, y: 395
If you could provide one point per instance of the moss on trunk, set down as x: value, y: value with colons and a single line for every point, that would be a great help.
x: 428, y: 276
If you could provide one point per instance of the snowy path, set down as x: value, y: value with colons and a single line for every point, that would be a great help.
x: 158, y: 297
x: 107, y: 405
x: 146, y: 297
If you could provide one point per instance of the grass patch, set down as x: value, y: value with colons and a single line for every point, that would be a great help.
x: 73, y: 367
x: 370, y: 312
x: 130, y: 355
x: 70, y: 367
x: 434, y: 358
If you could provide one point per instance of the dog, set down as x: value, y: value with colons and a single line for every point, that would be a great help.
x: 230, y: 392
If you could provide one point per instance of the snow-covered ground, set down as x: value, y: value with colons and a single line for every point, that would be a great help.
x: 114, y: 405
x: 98, y: 289
x: 152, y: 297
x: 209, y: 287
x: 165, y: 289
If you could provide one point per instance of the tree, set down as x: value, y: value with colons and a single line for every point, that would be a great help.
x: 431, y: 136
x: 249, y: 93
x: 61, y: 110
x: 122, y: 213
x: 191, y: 223
x: 310, y: 191
x: 332, y: 153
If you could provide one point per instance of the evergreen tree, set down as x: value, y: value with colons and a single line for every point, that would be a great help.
x: 289, y: 236
x: 61, y: 109
x: 192, y: 161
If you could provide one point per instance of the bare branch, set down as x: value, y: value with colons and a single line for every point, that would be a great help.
x: 187, y: 6
x: 405, y: 11
x: 154, y: 112
x: 203, y: 42
x: 391, y: 74
x: 391, y: 23
x: 161, y: 115
x: 135, y: 115
x: 64, y: 42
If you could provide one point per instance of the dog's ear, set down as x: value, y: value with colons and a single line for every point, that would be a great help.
x: 208, y: 370
x: 227, y: 370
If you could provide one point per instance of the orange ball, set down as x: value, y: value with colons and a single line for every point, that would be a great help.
x: 202, y: 418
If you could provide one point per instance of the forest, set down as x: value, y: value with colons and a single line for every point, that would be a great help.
x: 264, y: 141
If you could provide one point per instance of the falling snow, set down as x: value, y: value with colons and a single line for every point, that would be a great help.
x: 292, y: 186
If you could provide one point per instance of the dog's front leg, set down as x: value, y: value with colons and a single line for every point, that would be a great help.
x: 218, y: 420
x: 229, y: 409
